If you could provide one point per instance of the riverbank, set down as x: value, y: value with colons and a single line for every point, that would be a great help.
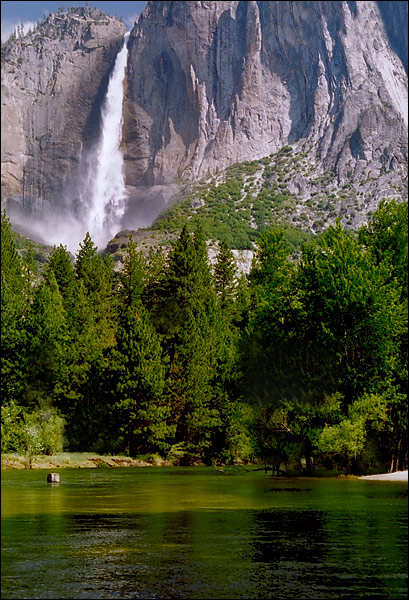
x: 76, y: 460
x: 89, y: 460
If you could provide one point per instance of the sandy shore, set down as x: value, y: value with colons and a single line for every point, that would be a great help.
x: 398, y: 476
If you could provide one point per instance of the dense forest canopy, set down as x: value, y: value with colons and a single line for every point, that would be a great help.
x: 301, y: 363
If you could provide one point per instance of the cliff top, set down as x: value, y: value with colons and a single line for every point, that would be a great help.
x: 58, y: 26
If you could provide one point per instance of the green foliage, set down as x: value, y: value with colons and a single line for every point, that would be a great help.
x: 346, y: 439
x: 225, y: 275
x: 47, y: 334
x: 243, y: 444
x: 61, y: 265
x: 387, y: 237
x: 44, y: 432
x: 137, y: 380
x: 331, y: 325
x: 134, y: 275
x: 302, y: 362
x: 15, y: 295
x: 352, y: 308
x: 12, y: 423
x: 237, y: 209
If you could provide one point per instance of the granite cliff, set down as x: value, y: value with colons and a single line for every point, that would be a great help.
x: 209, y: 84
x: 214, y: 83
x: 53, y: 81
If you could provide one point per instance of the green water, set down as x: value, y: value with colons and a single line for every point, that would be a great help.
x: 199, y: 533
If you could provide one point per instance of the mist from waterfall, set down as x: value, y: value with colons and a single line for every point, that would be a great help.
x: 102, y: 198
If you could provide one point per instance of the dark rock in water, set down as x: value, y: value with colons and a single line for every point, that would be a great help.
x: 53, y: 478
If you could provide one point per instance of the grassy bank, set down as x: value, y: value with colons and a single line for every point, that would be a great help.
x: 76, y: 460
x: 90, y: 460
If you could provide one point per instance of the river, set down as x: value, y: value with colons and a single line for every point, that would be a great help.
x: 201, y: 533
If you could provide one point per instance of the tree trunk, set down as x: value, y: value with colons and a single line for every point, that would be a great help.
x: 308, y: 462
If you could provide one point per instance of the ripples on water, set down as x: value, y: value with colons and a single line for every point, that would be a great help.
x: 196, y: 533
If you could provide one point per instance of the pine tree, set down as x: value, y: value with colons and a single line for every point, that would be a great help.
x: 194, y: 337
x: 191, y: 385
x: 14, y: 307
x: 225, y: 276
x: 136, y: 379
x: 47, y: 341
x: 83, y: 263
x: 134, y: 276
x: 61, y: 264
x: 79, y: 395
x: 96, y: 275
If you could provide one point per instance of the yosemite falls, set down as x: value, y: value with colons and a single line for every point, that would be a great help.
x: 102, y: 198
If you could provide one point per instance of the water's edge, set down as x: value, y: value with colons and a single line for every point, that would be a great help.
x: 85, y: 460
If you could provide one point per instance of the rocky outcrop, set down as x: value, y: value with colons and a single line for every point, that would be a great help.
x: 213, y: 83
x: 53, y: 80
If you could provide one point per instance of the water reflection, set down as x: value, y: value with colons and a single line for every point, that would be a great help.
x: 165, y: 535
x: 288, y: 535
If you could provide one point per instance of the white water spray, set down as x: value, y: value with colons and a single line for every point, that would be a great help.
x: 103, y: 199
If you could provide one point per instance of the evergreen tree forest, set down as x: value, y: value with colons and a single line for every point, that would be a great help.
x: 303, y: 363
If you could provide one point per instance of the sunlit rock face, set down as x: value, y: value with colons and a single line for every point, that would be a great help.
x: 208, y: 84
x: 213, y: 83
x: 53, y: 81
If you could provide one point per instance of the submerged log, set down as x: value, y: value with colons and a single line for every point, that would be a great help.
x: 53, y: 477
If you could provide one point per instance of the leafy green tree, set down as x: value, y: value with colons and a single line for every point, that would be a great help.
x: 351, y: 307
x: 331, y: 326
x: 387, y: 237
x: 31, y: 437
x: 267, y: 341
x: 347, y: 438
x: 46, y: 427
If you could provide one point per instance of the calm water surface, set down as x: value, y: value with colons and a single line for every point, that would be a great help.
x: 200, y: 533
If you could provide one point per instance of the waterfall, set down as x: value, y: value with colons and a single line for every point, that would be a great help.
x: 95, y: 202
x: 103, y: 195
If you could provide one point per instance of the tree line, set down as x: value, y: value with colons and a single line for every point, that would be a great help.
x: 301, y: 363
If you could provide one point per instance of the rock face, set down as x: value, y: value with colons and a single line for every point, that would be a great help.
x: 53, y: 80
x: 209, y: 84
x: 213, y: 83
